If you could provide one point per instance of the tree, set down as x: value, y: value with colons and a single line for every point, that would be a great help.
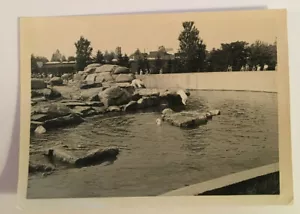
x: 71, y: 58
x: 234, y: 54
x: 35, y: 60
x: 99, y: 57
x: 56, y: 56
x: 63, y: 58
x: 191, y: 48
x: 263, y: 53
x: 125, y: 61
x: 108, y: 57
x: 83, y: 52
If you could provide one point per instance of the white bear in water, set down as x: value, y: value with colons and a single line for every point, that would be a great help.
x: 158, y: 121
x: 137, y: 83
x: 183, y: 96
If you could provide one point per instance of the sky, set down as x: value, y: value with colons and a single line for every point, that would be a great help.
x: 146, y: 31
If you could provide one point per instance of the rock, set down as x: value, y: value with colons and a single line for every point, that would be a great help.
x: 38, y: 99
x: 125, y: 85
x: 52, y: 94
x: 121, y: 70
x: 83, y: 110
x: 38, y: 83
x: 55, y: 81
x: 39, y: 117
x: 171, y: 97
x: 104, y: 77
x: 131, y: 106
x: 72, y: 119
x: 147, y: 102
x: 90, y: 94
x: 215, y: 112
x: 78, y: 77
x: 40, y: 130
x: 37, y: 167
x: 137, y: 83
x: 34, y: 125
x: 113, y: 109
x: 106, y: 68
x: 90, y: 103
x: 114, y: 96
x: 93, y: 157
x: 100, y: 110
x: 48, y: 93
x: 56, y: 110
x: 89, y: 70
x: 93, y: 65
x: 98, y: 156
x: 184, y: 119
x: 145, y: 92
x: 61, y: 155
x: 125, y: 78
x: 33, y: 103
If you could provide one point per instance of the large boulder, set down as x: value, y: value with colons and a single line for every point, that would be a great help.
x: 90, y: 82
x: 48, y: 93
x: 71, y: 119
x: 90, y: 94
x: 90, y: 70
x: 184, y: 119
x: 96, y: 156
x: 124, y: 78
x: 53, y: 111
x: 106, y: 68
x: 55, y: 81
x: 121, y: 70
x: 93, y: 65
x: 131, y: 106
x: 114, y: 96
x: 38, y: 84
x: 104, y: 77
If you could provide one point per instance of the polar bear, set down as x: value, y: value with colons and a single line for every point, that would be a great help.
x: 137, y: 83
x: 183, y: 96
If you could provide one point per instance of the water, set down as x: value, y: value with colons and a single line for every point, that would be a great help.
x: 156, y: 159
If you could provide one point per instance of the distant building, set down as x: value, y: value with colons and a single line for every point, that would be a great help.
x: 58, y: 68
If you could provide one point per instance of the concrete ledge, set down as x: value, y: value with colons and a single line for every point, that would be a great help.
x: 226, y: 184
x: 264, y: 81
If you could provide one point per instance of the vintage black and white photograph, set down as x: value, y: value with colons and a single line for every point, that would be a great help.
x: 156, y: 104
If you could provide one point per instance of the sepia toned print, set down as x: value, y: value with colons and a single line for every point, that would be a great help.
x: 144, y: 105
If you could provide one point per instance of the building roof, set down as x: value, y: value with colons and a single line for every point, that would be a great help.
x: 59, y: 64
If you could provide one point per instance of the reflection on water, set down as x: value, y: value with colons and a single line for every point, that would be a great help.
x: 156, y: 159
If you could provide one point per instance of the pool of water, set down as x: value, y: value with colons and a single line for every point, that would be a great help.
x: 156, y: 159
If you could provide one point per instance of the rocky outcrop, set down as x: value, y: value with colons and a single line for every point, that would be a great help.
x: 55, y: 81
x: 187, y: 119
x: 114, y: 96
x: 184, y: 119
x: 40, y: 130
x: 71, y: 119
x: 90, y: 94
x: 48, y: 93
x: 121, y: 70
x: 38, y: 83
x: 40, y: 167
x: 96, y: 156
x: 93, y: 65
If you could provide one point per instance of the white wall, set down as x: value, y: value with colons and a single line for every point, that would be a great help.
x: 249, y: 81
